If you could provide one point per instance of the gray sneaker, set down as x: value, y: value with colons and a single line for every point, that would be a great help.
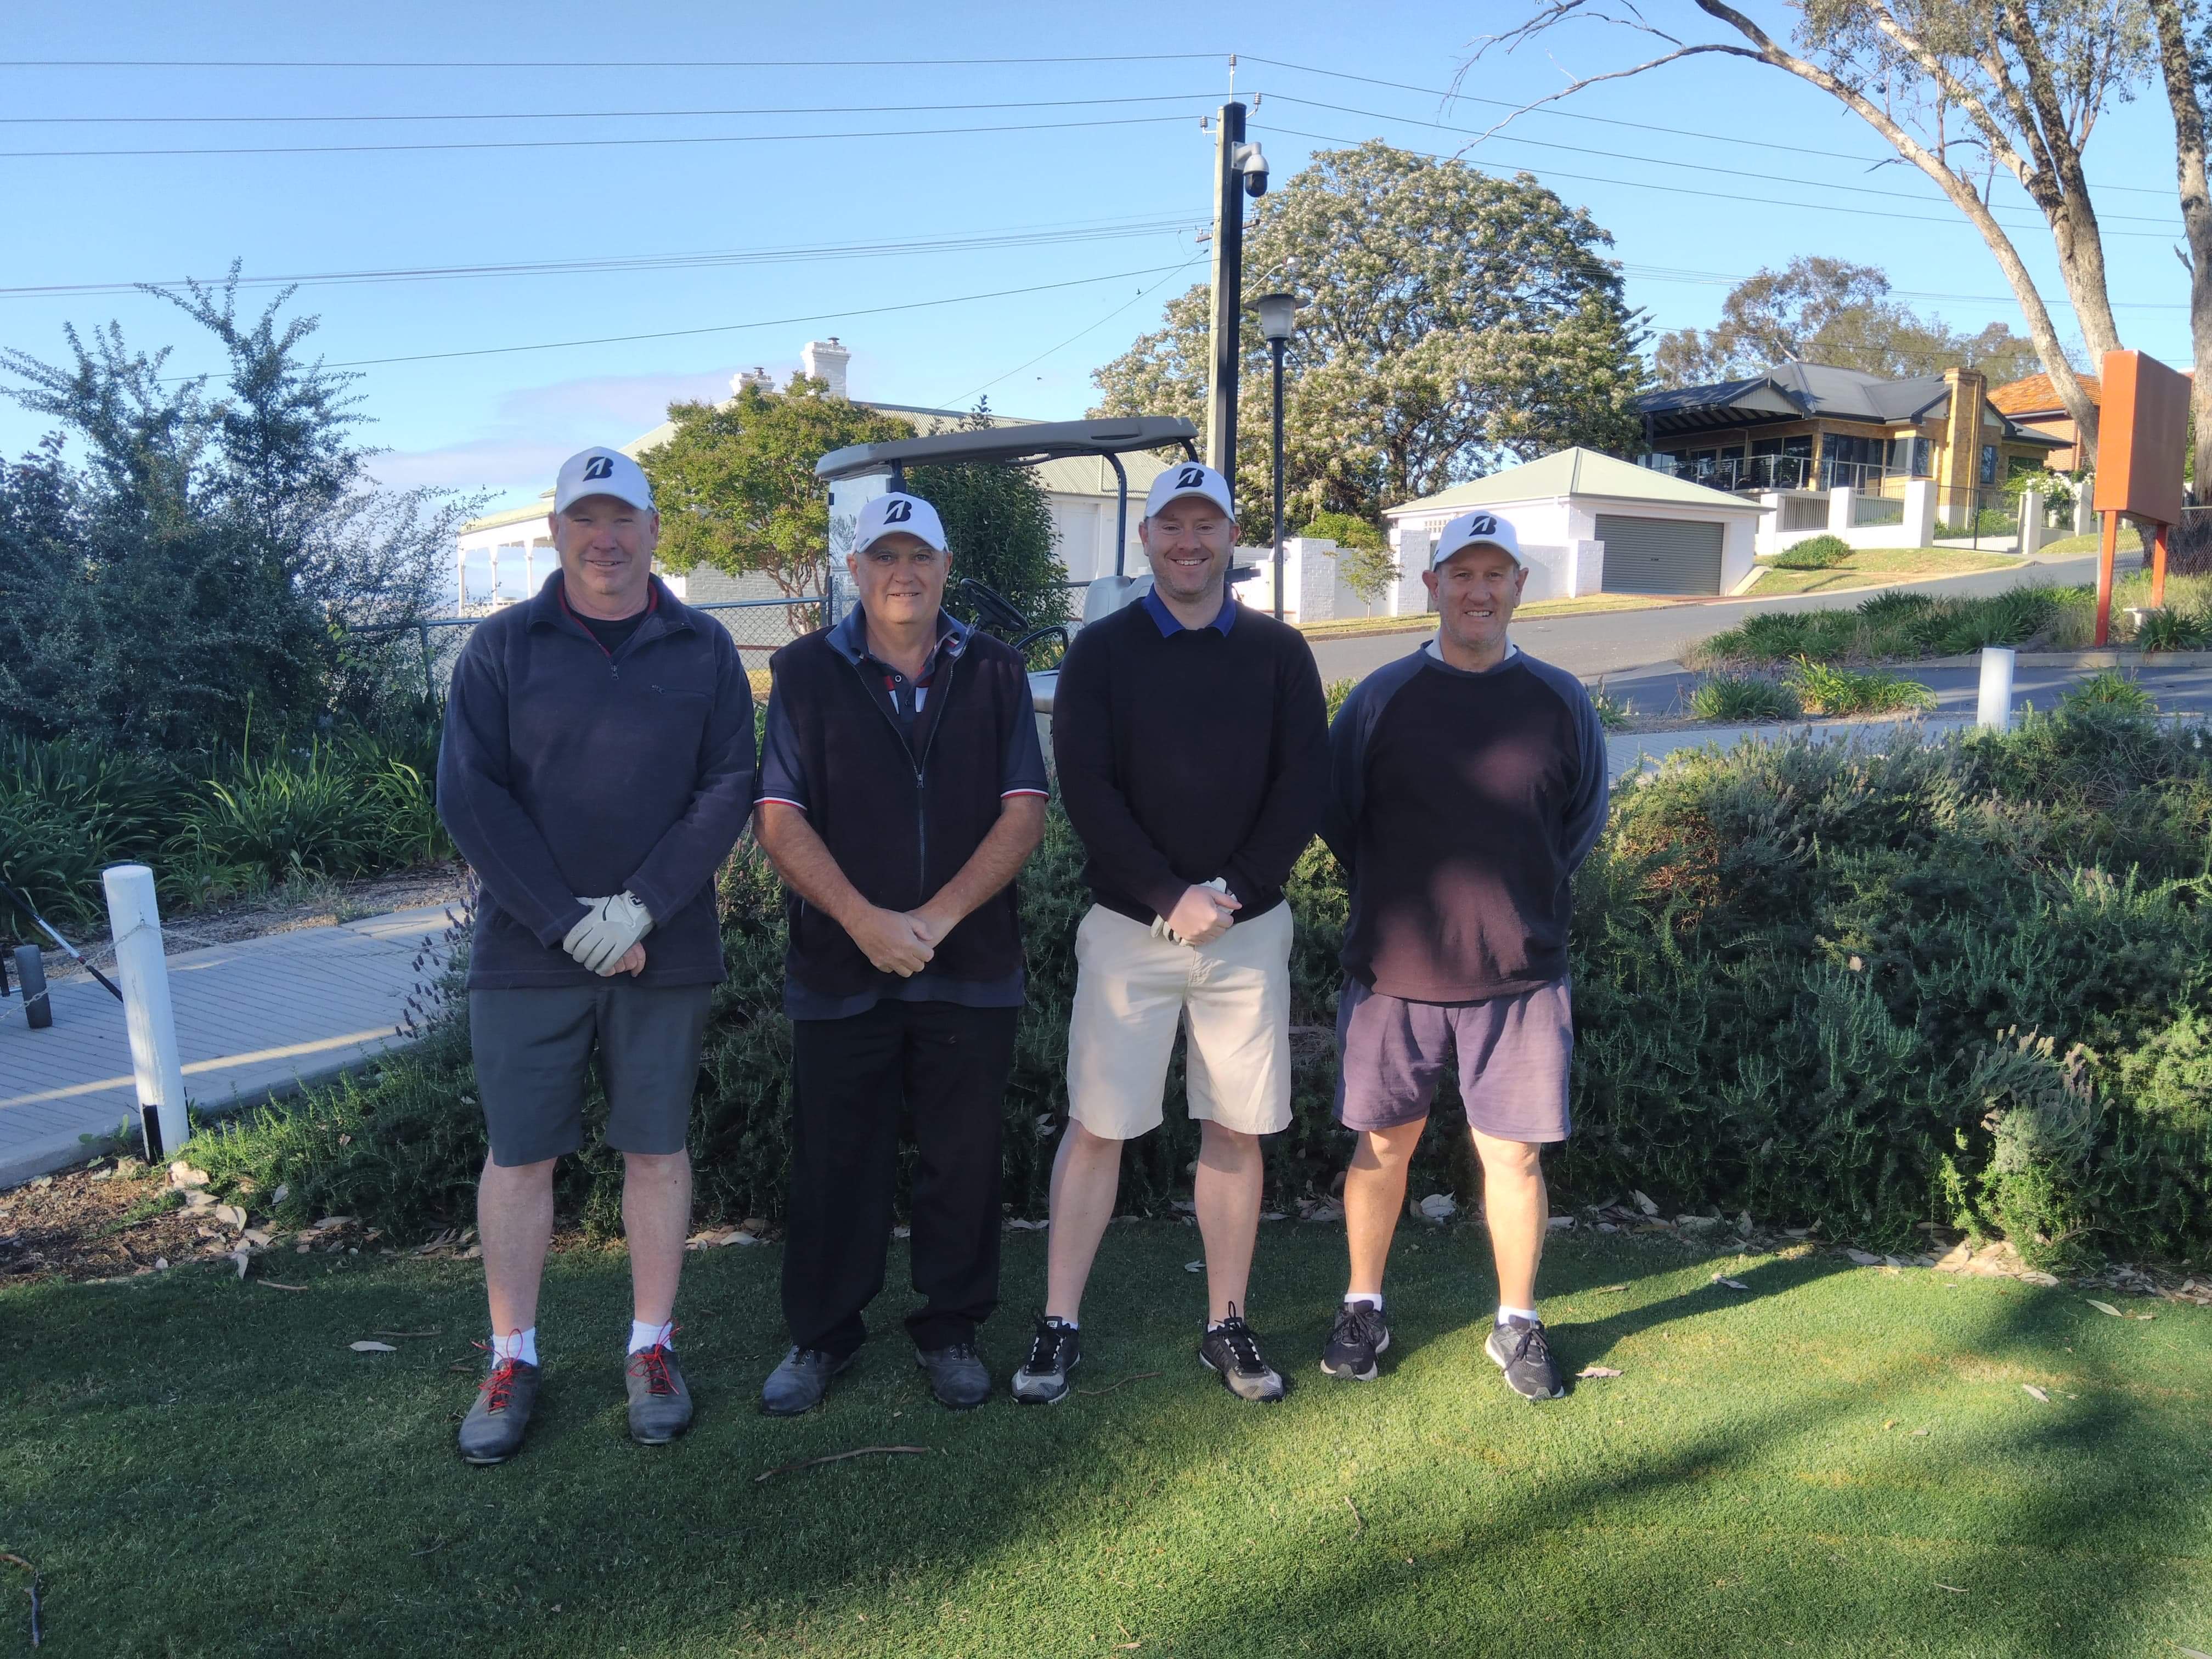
x: 1518, y: 1348
x: 660, y: 1402
x: 1231, y: 1350
x: 799, y: 1383
x: 492, y: 1432
x: 957, y: 1376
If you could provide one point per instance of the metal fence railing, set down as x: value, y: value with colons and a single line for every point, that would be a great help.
x: 756, y: 625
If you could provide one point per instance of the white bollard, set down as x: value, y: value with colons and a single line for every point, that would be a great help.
x: 1994, y: 712
x: 144, y: 973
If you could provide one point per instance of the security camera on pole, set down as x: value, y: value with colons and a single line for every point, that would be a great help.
x: 1240, y: 170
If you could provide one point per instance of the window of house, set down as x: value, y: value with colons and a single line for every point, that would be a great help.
x: 1911, y: 456
x: 1988, y: 464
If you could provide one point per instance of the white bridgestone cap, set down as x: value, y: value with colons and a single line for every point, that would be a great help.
x: 1189, y: 478
x: 1477, y: 529
x: 602, y: 472
x: 897, y: 514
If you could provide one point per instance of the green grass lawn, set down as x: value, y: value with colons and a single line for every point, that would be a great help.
x: 199, y: 1466
x: 2089, y: 541
x: 1873, y: 566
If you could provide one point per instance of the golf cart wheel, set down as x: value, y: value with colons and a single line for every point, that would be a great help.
x: 31, y: 976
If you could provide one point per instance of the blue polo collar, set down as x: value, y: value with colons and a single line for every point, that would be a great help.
x: 1164, y: 619
x: 849, y: 638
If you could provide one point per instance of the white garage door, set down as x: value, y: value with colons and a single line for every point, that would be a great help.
x: 1660, y: 555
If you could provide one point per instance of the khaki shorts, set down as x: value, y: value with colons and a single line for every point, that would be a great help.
x: 1133, y: 988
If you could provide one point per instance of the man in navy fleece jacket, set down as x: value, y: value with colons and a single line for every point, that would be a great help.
x: 596, y: 769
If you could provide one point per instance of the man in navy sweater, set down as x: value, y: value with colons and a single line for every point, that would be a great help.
x: 902, y: 787
x: 1193, y: 750
x: 1468, y: 782
x: 597, y: 767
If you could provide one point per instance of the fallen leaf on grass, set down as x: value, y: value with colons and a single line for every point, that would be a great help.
x: 2046, y: 1281
x: 372, y: 1347
x: 1727, y: 1284
x: 1954, y: 1589
x: 2192, y: 1652
x: 1597, y: 1370
x: 436, y: 1332
x: 839, y: 1457
x: 271, y: 1284
x: 1865, y: 1259
x: 1194, y: 1267
x: 1133, y: 1376
x: 2104, y: 1307
x: 1608, y: 1290
x: 2040, y: 1393
x: 1918, y: 1433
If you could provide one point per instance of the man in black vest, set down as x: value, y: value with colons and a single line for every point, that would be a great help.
x: 902, y: 787
x: 1467, y: 783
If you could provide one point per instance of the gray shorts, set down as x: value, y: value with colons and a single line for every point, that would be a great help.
x: 1514, y: 1054
x: 533, y: 1048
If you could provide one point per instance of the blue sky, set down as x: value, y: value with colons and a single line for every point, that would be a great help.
x: 1084, y: 193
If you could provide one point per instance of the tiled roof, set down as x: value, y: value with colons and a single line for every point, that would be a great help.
x: 1573, y: 473
x: 2036, y: 395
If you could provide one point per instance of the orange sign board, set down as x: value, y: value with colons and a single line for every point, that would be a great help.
x: 2142, y: 432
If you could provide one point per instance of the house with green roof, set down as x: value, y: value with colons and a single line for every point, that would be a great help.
x: 1589, y: 522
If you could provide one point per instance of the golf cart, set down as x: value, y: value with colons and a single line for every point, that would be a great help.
x: 861, y: 471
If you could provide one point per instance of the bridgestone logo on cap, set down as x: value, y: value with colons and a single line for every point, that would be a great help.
x: 898, y: 512
x: 1482, y: 524
x: 599, y: 466
x: 1191, y: 477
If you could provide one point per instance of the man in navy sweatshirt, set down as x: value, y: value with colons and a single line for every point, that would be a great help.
x: 1468, y: 782
x: 597, y: 767
x: 1192, y: 749
x: 902, y: 787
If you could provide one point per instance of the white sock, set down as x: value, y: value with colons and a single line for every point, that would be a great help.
x: 643, y: 1336
x: 518, y: 1345
x: 1065, y: 1324
x: 1505, y: 1313
x: 1376, y: 1297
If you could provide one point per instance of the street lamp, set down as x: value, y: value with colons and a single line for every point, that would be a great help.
x: 1277, y: 311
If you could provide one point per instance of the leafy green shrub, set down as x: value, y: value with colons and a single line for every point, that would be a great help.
x: 1743, y: 697
x: 1822, y: 552
x: 2111, y: 690
x: 1891, y: 625
x: 1824, y: 689
x: 2172, y: 631
x: 67, y: 810
x: 331, y: 810
x: 1855, y: 989
x: 1613, y: 713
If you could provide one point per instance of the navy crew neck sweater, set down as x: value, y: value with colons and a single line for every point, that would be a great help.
x: 1460, y: 805
x: 1188, y: 754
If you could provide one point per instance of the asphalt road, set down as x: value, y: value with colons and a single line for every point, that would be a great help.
x: 1628, y: 647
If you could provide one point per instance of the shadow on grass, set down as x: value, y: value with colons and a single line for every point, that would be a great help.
x: 201, y: 1466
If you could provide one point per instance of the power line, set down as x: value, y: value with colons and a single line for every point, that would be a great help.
x: 1141, y: 295
x: 594, y: 63
x: 600, y: 144
x: 762, y: 322
x: 582, y: 115
x: 1719, y: 278
x: 1702, y: 167
x: 1024, y: 237
x: 1684, y: 189
x: 1615, y: 121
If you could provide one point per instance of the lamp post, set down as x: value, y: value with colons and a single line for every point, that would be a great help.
x: 1277, y: 311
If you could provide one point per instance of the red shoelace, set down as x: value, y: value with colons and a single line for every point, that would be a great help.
x: 499, y: 1384
x: 651, y: 1364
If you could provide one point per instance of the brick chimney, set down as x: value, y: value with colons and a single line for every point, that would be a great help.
x: 825, y: 360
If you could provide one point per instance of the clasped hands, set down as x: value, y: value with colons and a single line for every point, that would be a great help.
x: 899, y: 942
x: 1201, y: 916
x: 607, y: 939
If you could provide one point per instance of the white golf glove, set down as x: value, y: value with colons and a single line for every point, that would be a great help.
x: 609, y: 928
x: 1160, y: 928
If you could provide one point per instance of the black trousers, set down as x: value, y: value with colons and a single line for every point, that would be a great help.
x: 947, y: 1065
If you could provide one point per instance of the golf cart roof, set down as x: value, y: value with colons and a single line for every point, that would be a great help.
x: 1010, y: 446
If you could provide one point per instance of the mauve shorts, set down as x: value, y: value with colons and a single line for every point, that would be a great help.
x: 1515, y: 1053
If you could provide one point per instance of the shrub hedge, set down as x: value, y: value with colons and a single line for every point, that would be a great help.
x: 1968, y: 982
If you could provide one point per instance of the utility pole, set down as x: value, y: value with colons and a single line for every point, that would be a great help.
x: 1228, y: 292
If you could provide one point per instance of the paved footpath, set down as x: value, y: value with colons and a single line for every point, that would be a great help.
x: 255, y: 1018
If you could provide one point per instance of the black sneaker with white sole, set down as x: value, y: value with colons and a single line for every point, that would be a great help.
x: 1055, y: 1349
x: 1518, y: 1349
x: 1357, y: 1337
x: 1232, y: 1350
